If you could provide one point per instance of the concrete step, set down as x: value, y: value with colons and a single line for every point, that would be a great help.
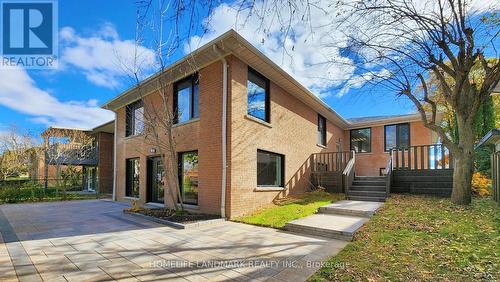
x: 353, y: 208
x: 366, y: 198
x: 334, y: 226
x: 381, y: 194
x: 368, y: 183
x: 367, y: 188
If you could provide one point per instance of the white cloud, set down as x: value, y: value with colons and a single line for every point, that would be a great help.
x: 103, y: 57
x: 19, y: 92
x: 309, y: 60
x: 313, y: 53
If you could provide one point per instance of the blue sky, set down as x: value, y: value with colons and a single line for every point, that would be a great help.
x: 92, y: 32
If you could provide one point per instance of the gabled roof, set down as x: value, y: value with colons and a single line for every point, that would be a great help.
x: 228, y: 43
x: 232, y: 43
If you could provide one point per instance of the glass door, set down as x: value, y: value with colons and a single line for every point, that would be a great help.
x: 156, y: 177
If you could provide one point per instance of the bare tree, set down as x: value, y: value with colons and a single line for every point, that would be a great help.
x: 168, y: 24
x: 401, y: 44
x: 412, y: 41
x: 16, y: 150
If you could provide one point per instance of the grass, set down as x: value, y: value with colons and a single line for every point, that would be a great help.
x: 415, y: 238
x: 290, y: 208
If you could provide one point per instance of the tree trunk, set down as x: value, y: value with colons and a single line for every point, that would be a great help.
x: 462, y: 179
x: 463, y: 162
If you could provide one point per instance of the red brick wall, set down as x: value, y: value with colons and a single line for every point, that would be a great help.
x: 292, y: 132
x: 105, y: 166
x: 369, y: 164
x: 203, y: 135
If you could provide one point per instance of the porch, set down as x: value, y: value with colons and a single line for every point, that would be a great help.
x: 423, y: 169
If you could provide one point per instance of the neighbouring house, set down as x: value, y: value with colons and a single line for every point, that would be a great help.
x: 492, y: 139
x: 248, y: 133
x: 88, y: 154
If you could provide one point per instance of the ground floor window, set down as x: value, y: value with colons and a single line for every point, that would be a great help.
x: 132, y: 178
x: 270, y: 169
x: 188, y: 177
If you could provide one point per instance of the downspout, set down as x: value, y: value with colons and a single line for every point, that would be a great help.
x: 224, y: 132
x: 114, y: 158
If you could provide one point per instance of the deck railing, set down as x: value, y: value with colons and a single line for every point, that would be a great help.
x: 422, y: 157
x: 388, y: 176
x: 349, y: 172
x: 330, y: 161
x: 72, y: 154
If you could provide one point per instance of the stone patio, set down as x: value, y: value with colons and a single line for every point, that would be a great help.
x: 94, y: 241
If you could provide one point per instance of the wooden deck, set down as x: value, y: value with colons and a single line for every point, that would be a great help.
x: 425, y: 169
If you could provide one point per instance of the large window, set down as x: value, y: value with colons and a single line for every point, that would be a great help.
x: 396, y: 135
x: 132, y: 178
x: 188, y: 177
x: 270, y: 169
x: 258, y: 95
x: 186, y: 99
x: 134, y: 122
x: 361, y: 140
x: 321, y: 130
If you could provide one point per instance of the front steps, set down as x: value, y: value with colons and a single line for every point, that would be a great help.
x: 368, y: 188
x: 338, y: 220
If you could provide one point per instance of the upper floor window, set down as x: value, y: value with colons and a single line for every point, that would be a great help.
x: 361, y: 140
x: 186, y: 99
x: 321, y: 130
x: 258, y: 95
x: 396, y: 135
x: 134, y: 118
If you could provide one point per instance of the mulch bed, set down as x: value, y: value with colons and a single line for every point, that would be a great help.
x: 170, y: 215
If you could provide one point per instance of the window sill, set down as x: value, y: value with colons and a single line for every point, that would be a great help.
x: 322, y: 146
x: 365, y: 153
x: 191, y: 206
x: 131, y: 198
x: 186, y: 122
x: 269, y: 188
x: 132, y: 136
x: 259, y: 121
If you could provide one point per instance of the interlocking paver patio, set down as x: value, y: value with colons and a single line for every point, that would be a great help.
x: 95, y: 241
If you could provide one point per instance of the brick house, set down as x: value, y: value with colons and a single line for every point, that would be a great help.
x: 245, y: 132
x: 93, y: 160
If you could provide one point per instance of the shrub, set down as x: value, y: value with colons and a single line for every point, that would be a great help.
x: 481, y: 185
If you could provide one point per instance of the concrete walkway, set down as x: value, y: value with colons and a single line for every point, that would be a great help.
x: 94, y: 241
x: 338, y: 220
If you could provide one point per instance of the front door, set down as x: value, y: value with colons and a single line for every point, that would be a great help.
x: 155, y: 191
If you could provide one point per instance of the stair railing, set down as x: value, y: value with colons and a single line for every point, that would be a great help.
x: 348, y: 173
x: 388, y: 175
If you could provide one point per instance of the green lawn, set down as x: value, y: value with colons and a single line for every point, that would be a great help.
x: 416, y: 238
x: 289, y: 209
